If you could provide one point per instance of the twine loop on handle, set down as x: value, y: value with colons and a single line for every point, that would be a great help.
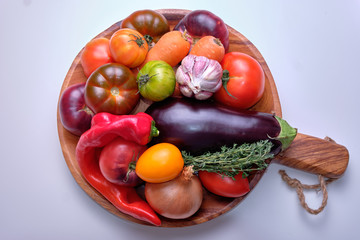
x: 299, y: 187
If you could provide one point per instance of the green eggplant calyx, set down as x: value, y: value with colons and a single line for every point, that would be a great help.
x: 287, y: 133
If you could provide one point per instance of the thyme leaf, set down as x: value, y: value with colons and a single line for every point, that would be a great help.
x: 230, y: 161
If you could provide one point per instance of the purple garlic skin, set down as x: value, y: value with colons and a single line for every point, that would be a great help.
x: 199, y: 77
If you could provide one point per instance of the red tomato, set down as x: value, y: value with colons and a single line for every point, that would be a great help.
x: 246, y: 83
x: 128, y: 47
x: 115, y: 159
x: 96, y: 53
x: 224, y: 186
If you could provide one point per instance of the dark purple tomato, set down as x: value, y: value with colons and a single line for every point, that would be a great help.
x: 115, y: 160
x: 75, y: 116
x: 200, y: 23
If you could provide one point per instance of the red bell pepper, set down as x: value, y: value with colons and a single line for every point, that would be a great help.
x: 105, y: 127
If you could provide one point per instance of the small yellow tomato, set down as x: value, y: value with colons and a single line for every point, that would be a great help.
x: 160, y: 163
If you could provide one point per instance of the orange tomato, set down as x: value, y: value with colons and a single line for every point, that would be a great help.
x: 160, y: 163
x: 128, y: 47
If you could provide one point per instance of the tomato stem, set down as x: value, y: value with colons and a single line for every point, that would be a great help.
x: 87, y: 110
x: 148, y: 39
x: 131, y: 167
x: 144, y: 78
x: 225, y: 79
x: 139, y: 40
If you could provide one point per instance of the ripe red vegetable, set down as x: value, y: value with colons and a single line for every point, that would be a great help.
x: 223, y: 185
x: 75, y: 116
x: 95, y: 54
x: 106, y: 127
x: 245, y: 84
x: 115, y: 160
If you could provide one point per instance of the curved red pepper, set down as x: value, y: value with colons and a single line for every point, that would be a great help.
x: 105, y: 127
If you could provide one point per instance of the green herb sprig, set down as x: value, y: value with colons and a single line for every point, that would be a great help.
x: 230, y: 161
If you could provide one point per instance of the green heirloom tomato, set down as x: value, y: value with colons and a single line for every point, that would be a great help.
x: 156, y: 80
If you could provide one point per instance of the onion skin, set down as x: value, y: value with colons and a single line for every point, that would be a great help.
x: 179, y: 198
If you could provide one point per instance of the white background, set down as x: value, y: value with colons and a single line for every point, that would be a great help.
x: 312, y: 49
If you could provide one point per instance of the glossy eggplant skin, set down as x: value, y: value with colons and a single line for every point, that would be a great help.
x: 203, y: 126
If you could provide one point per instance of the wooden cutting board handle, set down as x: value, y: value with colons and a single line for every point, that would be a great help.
x: 314, y: 155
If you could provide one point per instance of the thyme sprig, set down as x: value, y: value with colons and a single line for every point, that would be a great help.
x: 230, y: 161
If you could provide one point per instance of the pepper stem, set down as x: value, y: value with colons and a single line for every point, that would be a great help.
x: 225, y: 79
x: 154, y: 132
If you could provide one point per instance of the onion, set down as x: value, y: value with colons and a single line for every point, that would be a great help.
x: 178, y: 198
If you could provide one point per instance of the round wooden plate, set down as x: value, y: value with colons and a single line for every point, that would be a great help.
x: 213, y: 206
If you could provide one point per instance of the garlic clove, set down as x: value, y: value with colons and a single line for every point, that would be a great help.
x: 203, y: 95
x: 186, y: 91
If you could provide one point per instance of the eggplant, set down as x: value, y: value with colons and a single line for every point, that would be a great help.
x: 198, y: 127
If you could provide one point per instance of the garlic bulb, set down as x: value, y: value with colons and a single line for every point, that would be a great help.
x: 199, y: 77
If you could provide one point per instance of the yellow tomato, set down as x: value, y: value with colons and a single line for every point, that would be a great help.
x: 160, y: 163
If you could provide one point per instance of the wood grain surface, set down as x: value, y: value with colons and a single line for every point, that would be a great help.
x: 307, y: 153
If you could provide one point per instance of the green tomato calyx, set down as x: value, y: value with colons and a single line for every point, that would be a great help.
x: 140, y: 41
x: 144, y: 78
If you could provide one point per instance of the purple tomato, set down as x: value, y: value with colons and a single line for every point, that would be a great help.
x: 116, y: 159
x: 200, y: 23
x: 75, y: 116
